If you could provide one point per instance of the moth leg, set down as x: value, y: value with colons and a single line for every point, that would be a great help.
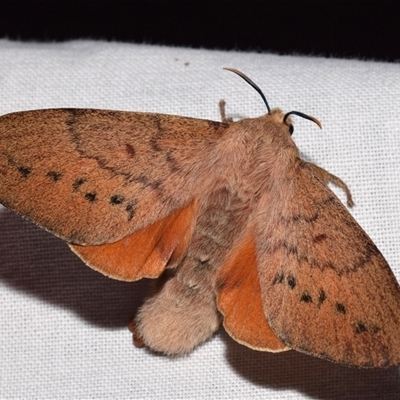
x: 222, y: 111
x: 176, y: 318
x: 327, y: 177
x: 136, y: 338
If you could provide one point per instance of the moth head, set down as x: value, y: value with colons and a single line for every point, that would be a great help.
x: 286, y: 120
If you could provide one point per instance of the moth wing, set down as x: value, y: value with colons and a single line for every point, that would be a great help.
x: 326, y: 288
x: 239, y: 298
x: 93, y: 177
x: 146, y: 252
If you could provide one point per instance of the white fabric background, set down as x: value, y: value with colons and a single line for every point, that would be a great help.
x: 63, y: 327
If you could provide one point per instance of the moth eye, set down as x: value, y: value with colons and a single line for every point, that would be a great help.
x: 291, y: 129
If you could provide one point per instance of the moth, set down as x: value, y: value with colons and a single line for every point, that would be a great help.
x: 234, y: 226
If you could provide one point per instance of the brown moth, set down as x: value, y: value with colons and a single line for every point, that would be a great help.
x: 228, y: 217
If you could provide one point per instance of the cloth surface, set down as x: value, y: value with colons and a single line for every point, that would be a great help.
x: 64, y: 327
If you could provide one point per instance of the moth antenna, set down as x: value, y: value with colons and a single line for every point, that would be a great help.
x: 251, y: 83
x: 300, y: 114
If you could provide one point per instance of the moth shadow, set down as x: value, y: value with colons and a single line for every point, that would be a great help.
x: 37, y: 263
x: 316, y: 378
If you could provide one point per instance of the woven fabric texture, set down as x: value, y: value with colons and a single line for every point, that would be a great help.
x: 63, y: 326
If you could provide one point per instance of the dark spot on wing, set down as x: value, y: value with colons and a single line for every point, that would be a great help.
x: 24, y: 171
x: 153, y: 140
x: 116, y: 199
x: 130, y: 150
x: 279, y: 277
x: 130, y: 208
x: 360, y: 328
x: 157, y: 121
x: 291, y: 281
x: 72, y: 115
x: 329, y: 264
x: 78, y: 183
x: 90, y: 197
x: 340, y: 308
x: 322, y: 297
x: 290, y: 248
x: 154, y: 145
x: 319, y: 238
x: 141, y: 179
x: 306, y: 297
x: 54, y: 175
x: 172, y: 162
x: 155, y: 184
